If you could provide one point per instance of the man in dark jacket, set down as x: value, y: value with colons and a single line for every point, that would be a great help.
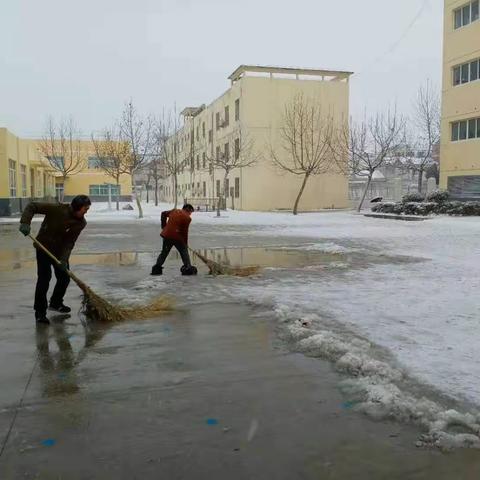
x: 58, y: 233
x: 175, y: 225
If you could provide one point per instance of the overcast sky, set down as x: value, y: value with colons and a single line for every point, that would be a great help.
x: 86, y: 58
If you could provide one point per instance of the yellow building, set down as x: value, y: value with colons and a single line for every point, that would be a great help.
x: 460, y: 143
x: 25, y: 174
x: 251, y: 110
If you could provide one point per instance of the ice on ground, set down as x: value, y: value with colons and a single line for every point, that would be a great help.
x: 424, y: 315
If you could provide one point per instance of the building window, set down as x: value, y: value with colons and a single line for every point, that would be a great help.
x: 38, y: 184
x: 210, y: 136
x: 226, y: 121
x: 227, y: 187
x: 217, y: 120
x: 227, y: 151
x: 23, y: 176
x: 467, y: 14
x: 218, y: 153
x: 12, y: 177
x: 237, y: 148
x: 198, y: 162
x: 237, y: 187
x: 203, y: 129
x: 102, y: 190
x: 204, y: 160
x: 237, y: 109
x: 59, y: 191
x: 466, y: 129
x: 467, y: 72
x: 204, y: 189
x: 198, y: 132
x: 32, y: 183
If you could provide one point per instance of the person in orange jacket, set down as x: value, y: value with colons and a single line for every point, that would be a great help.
x: 175, y: 225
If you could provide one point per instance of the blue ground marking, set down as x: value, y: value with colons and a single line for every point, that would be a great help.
x: 49, y: 442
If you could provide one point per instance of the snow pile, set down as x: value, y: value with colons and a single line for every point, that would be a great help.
x: 375, y: 387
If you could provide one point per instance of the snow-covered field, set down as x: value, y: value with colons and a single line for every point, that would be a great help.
x: 393, y: 326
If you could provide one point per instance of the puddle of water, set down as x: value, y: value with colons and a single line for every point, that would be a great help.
x: 24, y: 258
x: 269, y: 257
x: 296, y: 257
x: 266, y: 257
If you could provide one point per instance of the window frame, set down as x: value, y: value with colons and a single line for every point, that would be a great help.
x: 466, y: 10
x: 226, y: 120
x: 101, y: 190
x: 237, y: 109
x: 237, y: 187
x: 472, y: 72
x: 12, y: 178
x: 23, y: 176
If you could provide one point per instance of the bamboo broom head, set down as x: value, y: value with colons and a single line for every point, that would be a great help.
x: 221, y: 269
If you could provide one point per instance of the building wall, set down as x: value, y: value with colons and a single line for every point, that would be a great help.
x: 267, y: 187
x: 38, y: 182
x: 461, y: 102
x: 41, y: 179
x: 80, y: 184
x: 262, y: 186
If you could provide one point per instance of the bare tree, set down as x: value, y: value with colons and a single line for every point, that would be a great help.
x: 362, y: 148
x: 305, y: 142
x: 156, y: 171
x: 166, y: 149
x: 237, y: 151
x: 137, y: 132
x: 426, y: 133
x: 61, y: 145
x: 113, y: 156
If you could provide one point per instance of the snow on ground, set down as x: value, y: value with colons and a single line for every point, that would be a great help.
x: 425, y: 315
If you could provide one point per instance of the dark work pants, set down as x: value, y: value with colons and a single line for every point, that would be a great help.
x: 167, y: 246
x: 44, y: 274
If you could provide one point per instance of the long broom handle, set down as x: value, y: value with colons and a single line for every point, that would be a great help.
x: 196, y: 254
x: 45, y: 249
x: 81, y: 284
x: 54, y: 258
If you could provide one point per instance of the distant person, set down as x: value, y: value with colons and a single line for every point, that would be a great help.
x: 175, y: 224
x: 58, y: 233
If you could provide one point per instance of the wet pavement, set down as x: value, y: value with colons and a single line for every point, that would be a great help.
x: 209, y: 391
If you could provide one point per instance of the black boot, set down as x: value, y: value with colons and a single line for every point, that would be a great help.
x: 60, y: 308
x: 41, y: 318
x: 156, y: 270
x: 191, y: 270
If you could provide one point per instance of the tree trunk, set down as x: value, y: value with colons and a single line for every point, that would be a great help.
x: 139, y: 204
x: 117, y: 200
x: 156, y: 192
x: 300, y: 193
x: 420, y: 180
x: 367, y: 186
x: 148, y: 194
x: 175, y: 188
x: 64, y: 179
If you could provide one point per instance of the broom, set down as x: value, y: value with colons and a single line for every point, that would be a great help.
x: 97, y: 308
x: 216, y: 268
